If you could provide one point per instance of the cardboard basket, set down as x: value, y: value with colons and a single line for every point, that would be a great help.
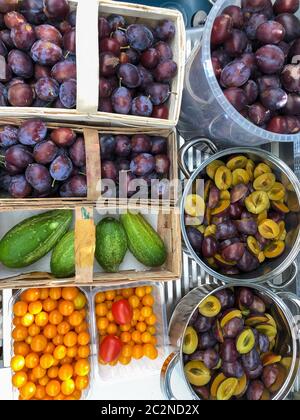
x: 88, y: 272
x: 87, y: 59
x: 93, y: 165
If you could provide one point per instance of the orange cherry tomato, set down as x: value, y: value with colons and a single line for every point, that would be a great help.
x: 63, y: 328
x: 33, y: 330
x: 100, y: 297
x: 81, y: 382
x: 30, y: 295
x: 32, y: 360
x: 110, y: 348
x: 134, y: 301
x: 112, y: 329
x: 82, y: 367
x: 27, y: 320
x: 60, y: 352
x: 38, y: 344
x: 19, y: 379
x: 41, y: 319
x: 28, y: 390
x: 150, y: 351
x: 46, y: 361
x: 53, y: 372
x: 20, y: 333
x: 65, y: 372
x: 110, y: 294
x: 17, y: 321
x: 49, y: 348
x: 53, y: 388
x: 101, y: 309
x: 21, y: 348
x: 69, y: 293
x: 126, y: 293
x: 58, y: 340
x: 38, y: 372
x: 59, y: 397
x: 83, y: 352
x: 75, y: 319
x: 70, y: 339
x: 146, y: 337
x: 125, y: 337
x: 35, y: 307
x: 137, y: 351
x: 44, y: 293
x: 49, y: 305
x: 148, y: 300
x: 124, y: 360
x: 140, y: 292
x: 20, y: 308
x: 79, y: 301
x: 82, y: 327
x: 141, y: 327
x: 55, y: 293
x: 68, y: 387
x: 43, y: 381
x: 40, y: 392
x: 17, y: 363
x: 127, y: 350
x: 66, y: 307
x: 146, y: 311
x: 151, y: 320
x: 83, y: 338
x: 55, y: 317
x: 72, y: 352
x: 102, y: 323
x: 50, y: 331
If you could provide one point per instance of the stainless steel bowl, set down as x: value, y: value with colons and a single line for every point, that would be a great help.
x: 270, y: 269
x: 288, y: 342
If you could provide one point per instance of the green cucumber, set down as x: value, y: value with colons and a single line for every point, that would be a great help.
x: 143, y: 241
x: 111, y: 244
x: 63, y: 256
x: 33, y: 238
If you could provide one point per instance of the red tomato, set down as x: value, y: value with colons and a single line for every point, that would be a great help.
x: 122, y: 312
x: 110, y: 348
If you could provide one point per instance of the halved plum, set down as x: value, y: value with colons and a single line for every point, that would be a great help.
x: 247, y: 226
x: 226, y: 298
x: 248, y: 262
x: 203, y: 324
x: 270, y: 359
x: 245, y: 341
x: 190, y: 341
x: 233, y: 328
x: 197, y: 373
x: 255, y: 391
x: 213, y: 197
x: 216, y: 383
x: 229, y: 352
x: 227, y: 389
x: 210, y: 307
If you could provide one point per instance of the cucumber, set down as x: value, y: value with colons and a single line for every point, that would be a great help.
x: 143, y: 241
x: 111, y: 244
x: 33, y: 238
x: 63, y: 256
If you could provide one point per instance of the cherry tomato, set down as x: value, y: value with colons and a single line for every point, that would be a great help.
x: 110, y: 348
x: 122, y: 312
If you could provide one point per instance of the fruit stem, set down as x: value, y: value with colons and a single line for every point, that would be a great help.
x: 53, y: 183
x: 81, y: 173
x: 122, y: 29
x: 125, y: 48
x: 120, y: 80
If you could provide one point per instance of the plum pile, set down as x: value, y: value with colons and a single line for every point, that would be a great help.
x: 136, y: 67
x: 255, y: 52
x: 38, y: 54
x: 228, y: 347
x: 139, y: 157
x: 36, y: 162
x: 241, y: 220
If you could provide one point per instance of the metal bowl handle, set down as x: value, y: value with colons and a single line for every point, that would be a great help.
x: 186, y: 147
x: 165, y: 375
x: 288, y: 281
x: 291, y: 297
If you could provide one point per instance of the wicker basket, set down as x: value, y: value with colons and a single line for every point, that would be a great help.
x: 167, y: 225
x: 93, y: 165
x: 87, y: 58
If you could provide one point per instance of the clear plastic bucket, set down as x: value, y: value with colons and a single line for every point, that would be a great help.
x: 205, y: 110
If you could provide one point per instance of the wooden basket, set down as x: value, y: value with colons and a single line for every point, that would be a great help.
x: 168, y: 227
x: 93, y: 165
x: 87, y: 58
